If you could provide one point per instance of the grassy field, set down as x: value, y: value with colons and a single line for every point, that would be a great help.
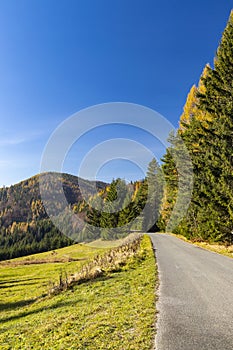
x: 116, y: 311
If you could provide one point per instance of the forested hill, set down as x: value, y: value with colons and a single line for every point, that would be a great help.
x: 22, y: 202
x: 24, y: 224
x: 111, y: 211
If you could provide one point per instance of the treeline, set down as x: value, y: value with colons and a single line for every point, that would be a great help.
x: 124, y: 207
x: 26, y: 239
x: 109, y: 214
x: 206, y: 129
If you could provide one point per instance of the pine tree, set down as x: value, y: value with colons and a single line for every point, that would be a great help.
x: 114, y: 202
x: 217, y: 99
x: 207, y: 132
x: 138, y: 203
x: 218, y: 96
x: 91, y: 230
x: 178, y: 173
x: 155, y: 192
x: 170, y: 188
x: 191, y: 108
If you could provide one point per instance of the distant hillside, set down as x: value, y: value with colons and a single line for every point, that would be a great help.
x: 24, y: 224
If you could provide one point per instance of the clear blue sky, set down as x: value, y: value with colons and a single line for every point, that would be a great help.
x: 58, y: 57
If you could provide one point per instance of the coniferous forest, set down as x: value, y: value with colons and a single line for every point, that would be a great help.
x: 206, y: 128
x: 25, y: 227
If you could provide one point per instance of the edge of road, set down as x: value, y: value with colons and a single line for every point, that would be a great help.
x: 212, y: 247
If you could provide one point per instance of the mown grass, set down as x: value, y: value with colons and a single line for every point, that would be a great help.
x: 115, y: 311
x: 20, y: 283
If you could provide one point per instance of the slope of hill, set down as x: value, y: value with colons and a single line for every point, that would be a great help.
x: 25, y: 227
x: 115, y: 311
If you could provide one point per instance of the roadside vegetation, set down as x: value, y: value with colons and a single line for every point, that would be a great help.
x: 115, y: 310
x: 206, y: 129
x: 224, y: 249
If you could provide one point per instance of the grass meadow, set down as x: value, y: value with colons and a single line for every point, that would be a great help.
x: 114, y: 311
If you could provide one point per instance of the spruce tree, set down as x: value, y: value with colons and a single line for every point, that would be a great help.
x: 207, y: 132
x: 155, y: 192
x: 217, y: 99
x: 170, y: 188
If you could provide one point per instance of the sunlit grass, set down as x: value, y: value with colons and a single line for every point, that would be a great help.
x: 214, y: 247
x: 27, y: 282
x: 113, y: 312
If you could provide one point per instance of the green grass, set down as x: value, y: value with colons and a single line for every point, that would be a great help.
x: 116, y: 311
x: 73, y: 251
x: 21, y: 283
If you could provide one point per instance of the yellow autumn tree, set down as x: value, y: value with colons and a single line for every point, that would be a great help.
x: 191, y: 109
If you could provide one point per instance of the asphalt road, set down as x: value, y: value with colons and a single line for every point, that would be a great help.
x: 195, y: 297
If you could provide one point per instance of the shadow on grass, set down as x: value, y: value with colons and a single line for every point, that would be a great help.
x: 33, y: 312
x: 15, y: 304
x: 93, y: 281
x: 19, y: 280
x: 12, y: 285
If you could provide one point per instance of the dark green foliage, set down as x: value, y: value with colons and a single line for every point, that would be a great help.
x: 117, y: 210
x: 39, y: 237
x: 154, y: 181
x: 122, y: 208
x: 218, y: 96
x: 113, y: 212
x: 171, y: 187
x: 209, y: 138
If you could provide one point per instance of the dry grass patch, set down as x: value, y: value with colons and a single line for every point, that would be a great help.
x: 223, y: 249
x: 113, y: 260
x: 114, y: 312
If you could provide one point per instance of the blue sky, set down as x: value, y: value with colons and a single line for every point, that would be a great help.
x: 58, y: 57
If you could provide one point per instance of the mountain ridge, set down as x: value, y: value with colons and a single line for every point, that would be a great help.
x: 25, y: 227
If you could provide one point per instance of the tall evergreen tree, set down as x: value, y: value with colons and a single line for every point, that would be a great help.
x: 155, y: 193
x: 170, y: 188
x: 217, y: 99
x: 206, y: 128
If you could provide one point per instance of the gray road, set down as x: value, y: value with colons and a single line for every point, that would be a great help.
x: 195, y: 297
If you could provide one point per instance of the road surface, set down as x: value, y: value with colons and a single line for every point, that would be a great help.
x: 195, y: 297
